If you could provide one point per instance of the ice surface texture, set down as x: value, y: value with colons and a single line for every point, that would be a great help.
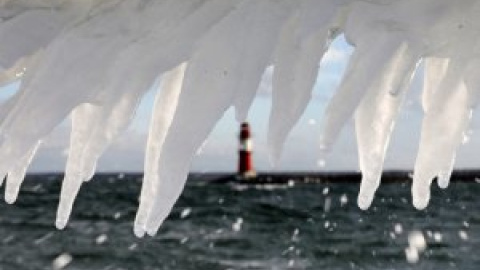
x: 93, y: 60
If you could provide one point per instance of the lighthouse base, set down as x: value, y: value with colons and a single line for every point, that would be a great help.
x: 246, y: 176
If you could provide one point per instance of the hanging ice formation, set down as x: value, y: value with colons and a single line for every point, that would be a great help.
x: 95, y: 59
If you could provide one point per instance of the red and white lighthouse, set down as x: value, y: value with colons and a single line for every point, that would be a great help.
x: 245, y: 162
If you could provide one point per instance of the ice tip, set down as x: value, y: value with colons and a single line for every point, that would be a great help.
x: 443, y: 182
x: 443, y: 185
x: 61, y: 224
x: 152, y: 232
x: 10, y: 198
x: 420, y: 198
x: 274, y: 154
x: 365, y: 196
x: 139, y: 232
x: 420, y: 203
x: 364, y: 202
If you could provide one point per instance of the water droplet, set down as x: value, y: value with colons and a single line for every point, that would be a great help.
x: 237, y: 226
x: 185, y: 212
x: 101, y: 239
x: 417, y: 240
x: 62, y: 261
x: 343, y: 200
x: 412, y: 255
x: 398, y: 228
x: 463, y: 235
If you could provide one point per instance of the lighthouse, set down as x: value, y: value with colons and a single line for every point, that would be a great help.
x: 245, y: 162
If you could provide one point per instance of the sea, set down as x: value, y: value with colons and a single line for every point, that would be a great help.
x: 231, y: 225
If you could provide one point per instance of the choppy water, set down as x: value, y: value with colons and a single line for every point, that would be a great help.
x: 224, y: 226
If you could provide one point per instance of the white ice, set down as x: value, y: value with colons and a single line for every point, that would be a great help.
x: 93, y: 61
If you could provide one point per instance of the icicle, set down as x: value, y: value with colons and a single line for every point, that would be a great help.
x: 296, y: 68
x: 135, y: 58
x: 446, y: 118
x: 216, y: 69
x: 375, y: 116
x: 93, y: 129
x: 16, y: 176
x: 20, y: 138
x: 435, y: 70
x: 81, y: 120
x: 188, y: 30
x: 76, y: 54
x: 368, y: 60
x: 125, y: 91
x: 164, y: 108
x: 115, y: 120
x: 262, y: 32
x: 32, y: 117
x: 16, y: 171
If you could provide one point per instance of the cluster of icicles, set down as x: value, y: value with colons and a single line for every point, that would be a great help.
x: 93, y: 60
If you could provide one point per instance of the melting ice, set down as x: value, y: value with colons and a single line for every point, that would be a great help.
x: 93, y: 61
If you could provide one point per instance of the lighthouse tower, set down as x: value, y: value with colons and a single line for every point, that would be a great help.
x: 245, y: 162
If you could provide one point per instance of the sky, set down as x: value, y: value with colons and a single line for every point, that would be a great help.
x: 219, y: 153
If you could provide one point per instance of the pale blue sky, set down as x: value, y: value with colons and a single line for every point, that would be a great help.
x: 301, y: 152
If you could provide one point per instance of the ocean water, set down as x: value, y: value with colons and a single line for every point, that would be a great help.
x: 232, y: 226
